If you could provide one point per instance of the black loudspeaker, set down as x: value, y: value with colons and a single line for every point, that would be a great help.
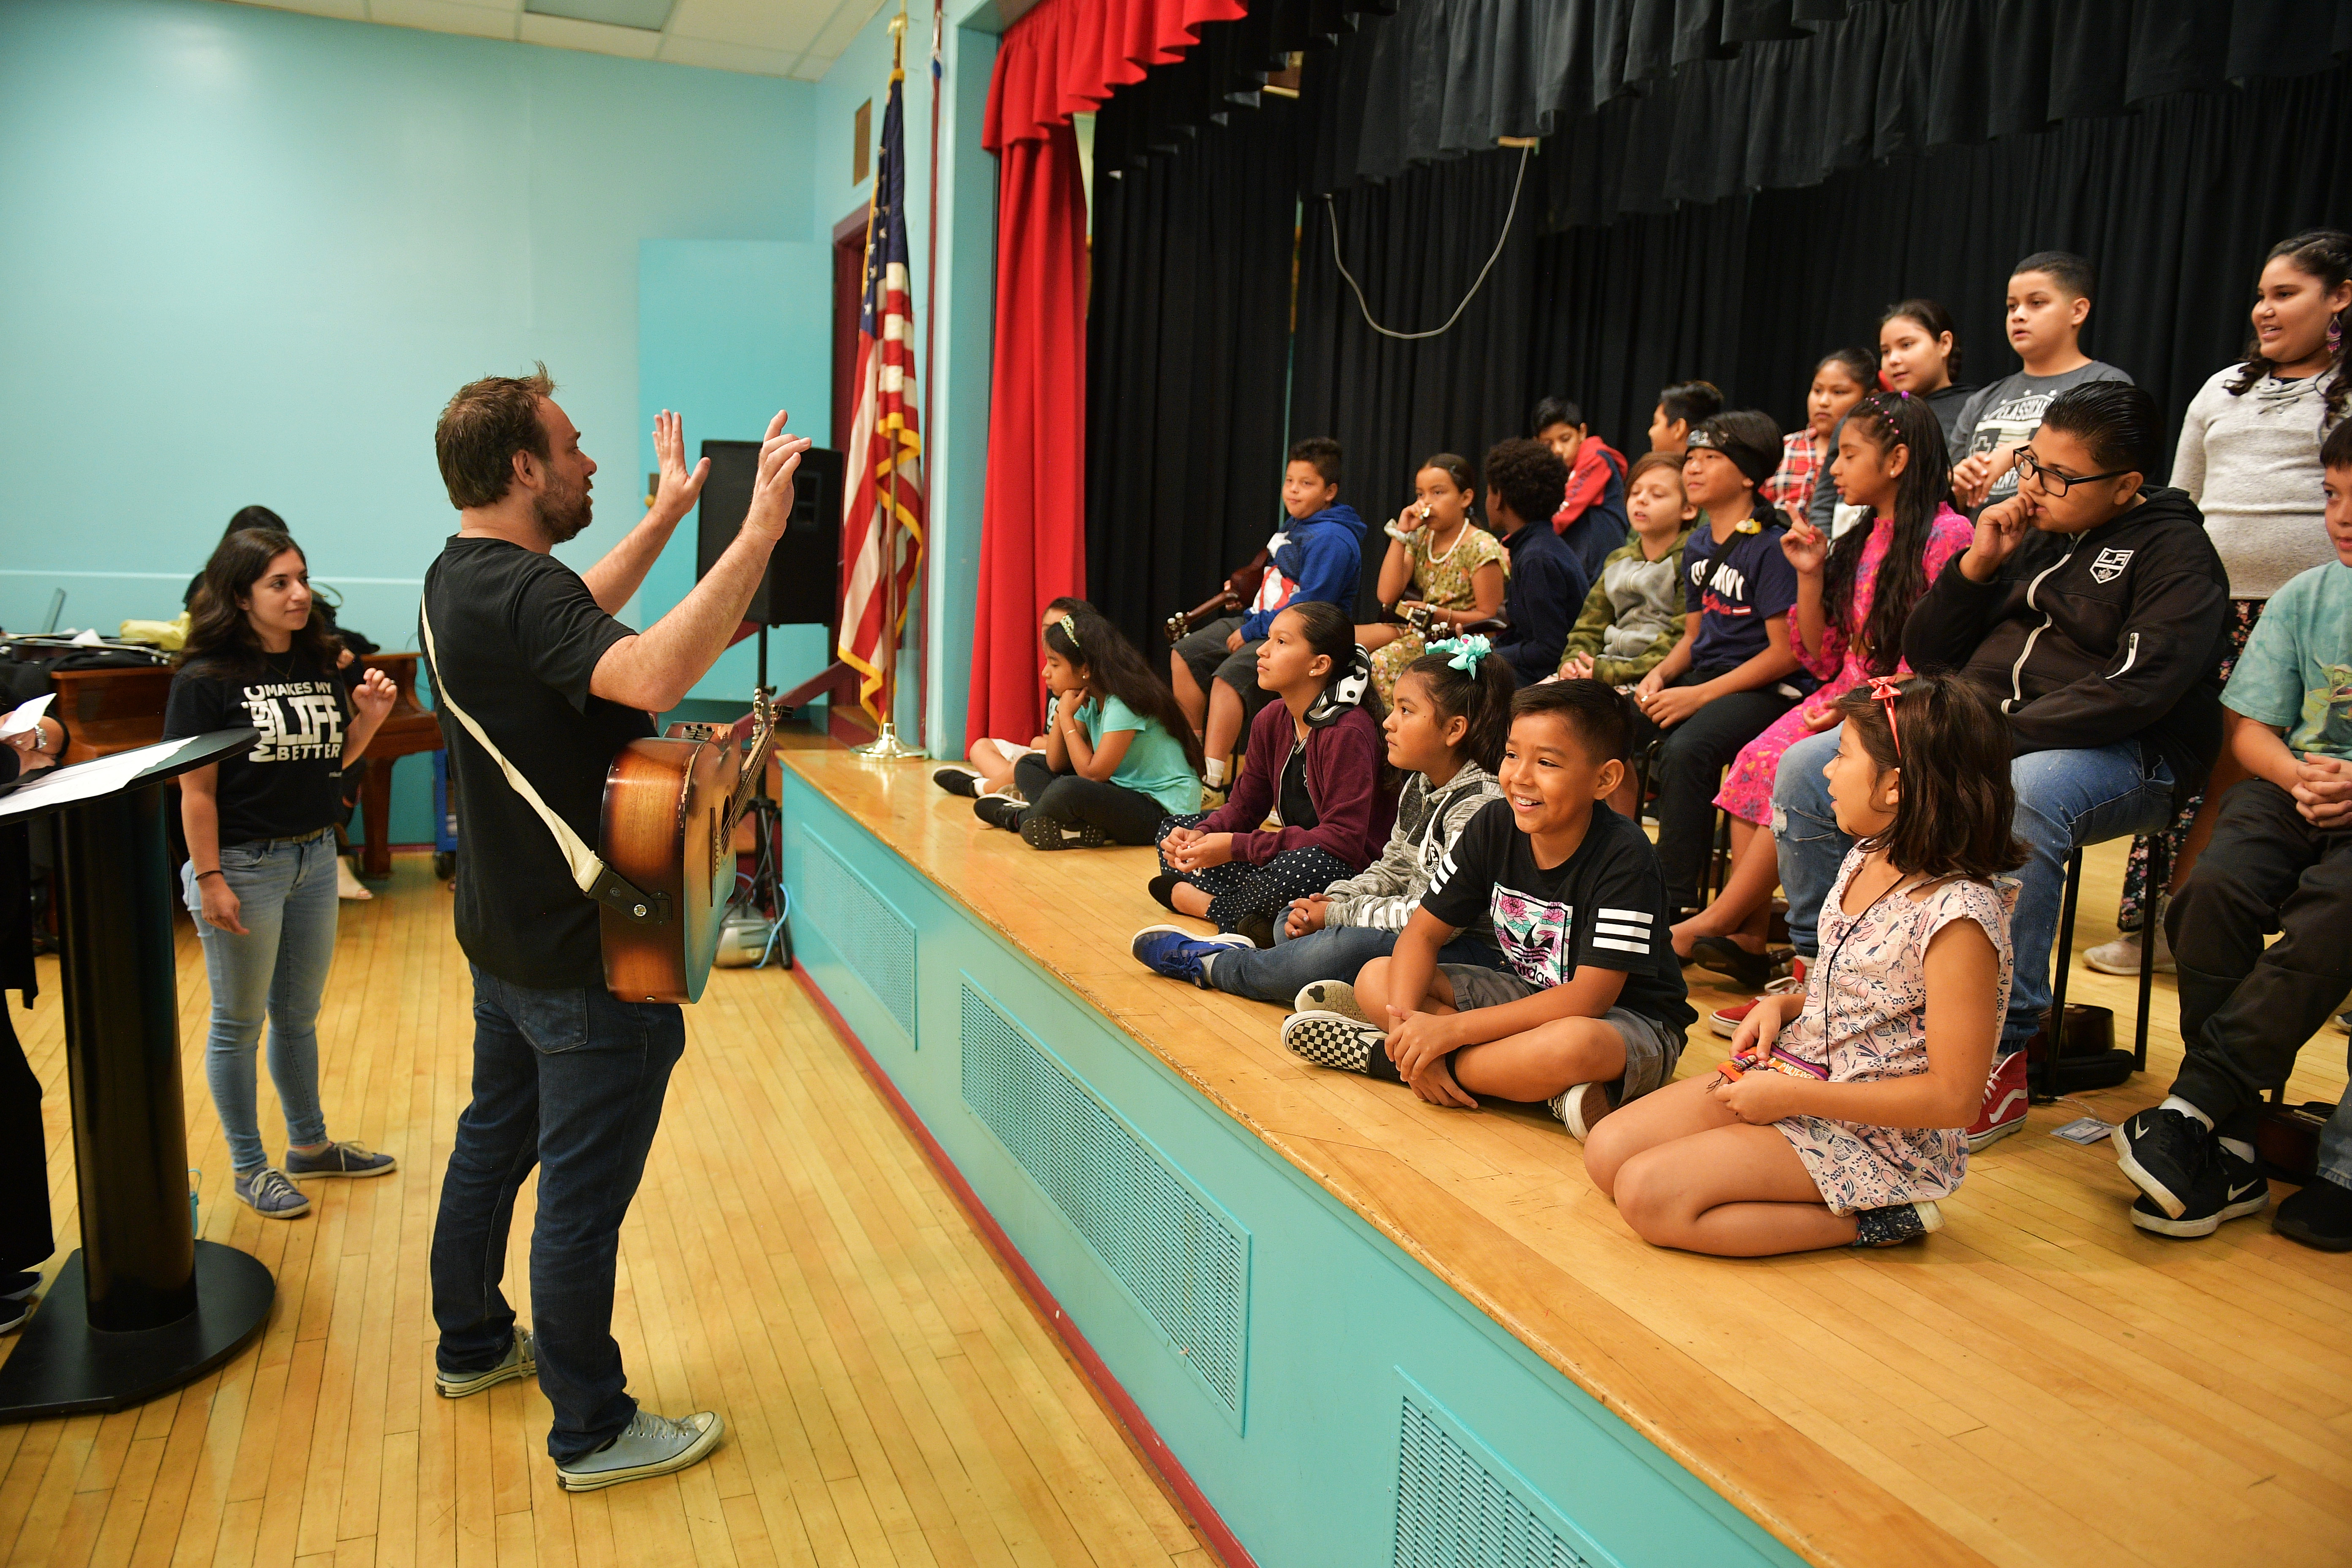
x: 803, y: 580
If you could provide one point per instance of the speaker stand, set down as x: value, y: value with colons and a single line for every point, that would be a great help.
x: 62, y: 1366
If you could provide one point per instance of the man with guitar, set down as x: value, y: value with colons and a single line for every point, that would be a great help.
x: 538, y: 687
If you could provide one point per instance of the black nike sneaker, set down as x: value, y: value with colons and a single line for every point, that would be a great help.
x: 2319, y: 1215
x: 2225, y: 1188
x: 2162, y: 1152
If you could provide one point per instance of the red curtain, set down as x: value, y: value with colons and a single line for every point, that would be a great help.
x: 1063, y: 58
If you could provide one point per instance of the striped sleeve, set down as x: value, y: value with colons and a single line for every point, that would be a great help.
x: 1626, y: 926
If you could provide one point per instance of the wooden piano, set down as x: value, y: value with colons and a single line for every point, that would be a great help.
x: 110, y: 710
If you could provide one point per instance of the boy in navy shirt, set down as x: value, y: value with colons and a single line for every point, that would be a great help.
x: 1733, y: 672
x: 1591, y: 1011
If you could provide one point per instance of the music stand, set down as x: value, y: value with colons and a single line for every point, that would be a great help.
x: 142, y: 1306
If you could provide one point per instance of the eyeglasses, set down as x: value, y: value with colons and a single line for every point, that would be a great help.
x: 2029, y: 467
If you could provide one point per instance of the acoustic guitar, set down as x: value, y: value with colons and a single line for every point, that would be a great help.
x: 667, y: 833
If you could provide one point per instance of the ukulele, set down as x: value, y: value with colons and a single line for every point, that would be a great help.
x: 667, y: 833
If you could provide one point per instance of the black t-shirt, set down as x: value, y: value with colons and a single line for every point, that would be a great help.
x: 1298, y: 806
x: 291, y: 783
x: 519, y: 635
x: 1605, y: 906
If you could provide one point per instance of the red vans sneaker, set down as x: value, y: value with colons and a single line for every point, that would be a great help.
x: 2004, y: 1103
x: 1726, y: 1020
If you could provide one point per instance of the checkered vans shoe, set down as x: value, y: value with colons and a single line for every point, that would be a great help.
x: 1332, y: 1040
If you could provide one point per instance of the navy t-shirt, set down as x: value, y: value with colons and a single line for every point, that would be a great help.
x: 1734, y: 588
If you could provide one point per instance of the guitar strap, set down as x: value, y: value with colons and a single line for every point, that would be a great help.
x: 589, y: 872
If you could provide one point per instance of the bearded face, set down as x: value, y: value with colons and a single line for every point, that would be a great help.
x: 563, y: 507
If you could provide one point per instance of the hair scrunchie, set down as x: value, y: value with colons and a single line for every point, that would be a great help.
x: 1467, y: 651
x: 1345, y: 691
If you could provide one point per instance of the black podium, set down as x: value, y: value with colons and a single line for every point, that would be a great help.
x: 143, y: 1307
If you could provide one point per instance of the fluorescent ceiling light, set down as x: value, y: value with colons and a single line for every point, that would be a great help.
x: 651, y: 15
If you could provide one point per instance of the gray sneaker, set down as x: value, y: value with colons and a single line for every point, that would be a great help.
x: 1329, y: 996
x: 339, y: 1160
x: 267, y: 1191
x: 518, y: 1362
x: 648, y: 1445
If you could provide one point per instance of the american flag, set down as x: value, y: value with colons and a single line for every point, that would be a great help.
x: 885, y: 453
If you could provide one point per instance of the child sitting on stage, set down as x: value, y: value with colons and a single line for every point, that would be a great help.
x: 1591, y: 1012
x: 1839, y: 1120
x: 1633, y: 617
x: 992, y: 761
x: 1439, y: 562
x: 1117, y: 753
x: 1445, y: 734
x: 1314, y: 755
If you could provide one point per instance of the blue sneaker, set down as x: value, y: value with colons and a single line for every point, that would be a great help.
x: 339, y: 1160
x: 268, y: 1194
x: 1177, y: 954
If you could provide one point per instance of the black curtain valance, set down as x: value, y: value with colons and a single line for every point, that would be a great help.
x: 1659, y: 104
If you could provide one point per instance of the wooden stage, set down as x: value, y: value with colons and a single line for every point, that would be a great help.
x: 2038, y: 1384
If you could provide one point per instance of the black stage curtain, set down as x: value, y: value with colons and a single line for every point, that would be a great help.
x: 1416, y: 245
x: 1699, y: 99
x: 2174, y: 203
x: 1188, y: 333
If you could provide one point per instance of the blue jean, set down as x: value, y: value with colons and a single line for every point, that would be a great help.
x: 1336, y: 952
x: 2065, y: 800
x: 570, y: 1081
x: 284, y: 891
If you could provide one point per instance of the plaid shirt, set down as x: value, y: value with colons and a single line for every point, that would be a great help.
x: 1791, y: 484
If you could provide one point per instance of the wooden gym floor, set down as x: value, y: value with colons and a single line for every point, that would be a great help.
x: 790, y: 1261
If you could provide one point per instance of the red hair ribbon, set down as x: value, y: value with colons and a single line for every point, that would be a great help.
x: 1887, y: 689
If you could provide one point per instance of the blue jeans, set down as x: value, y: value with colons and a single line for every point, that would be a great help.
x: 1336, y: 952
x: 570, y: 1081
x: 2065, y: 800
x: 284, y: 891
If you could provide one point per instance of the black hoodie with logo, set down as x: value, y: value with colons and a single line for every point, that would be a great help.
x: 2091, y: 638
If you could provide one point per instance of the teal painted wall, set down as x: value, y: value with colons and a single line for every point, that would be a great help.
x: 1342, y: 1327
x: 729, y: 332
x: 246, y: 256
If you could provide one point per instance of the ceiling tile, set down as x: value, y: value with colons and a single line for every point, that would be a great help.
x: 850, y: 17
x: 596, y: 37
x: 647, y: 15
x: 728, y: 56
x: 763, y: 24
x: 445, y: 16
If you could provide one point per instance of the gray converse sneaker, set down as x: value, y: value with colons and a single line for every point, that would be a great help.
x: 1329, y: 996
x: 269, y: 1195
x: 518, y: 1362
x: 648, y: 1445
x: 339, y: 1160
x: 1580, y: 1106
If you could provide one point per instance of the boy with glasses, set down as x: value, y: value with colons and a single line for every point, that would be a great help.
x: 2089, y: 610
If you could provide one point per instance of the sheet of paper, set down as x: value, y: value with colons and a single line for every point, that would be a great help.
x: 25, y: 715
x: 2087, y: 1131
x: 87, y: 637
x: 86, y: 781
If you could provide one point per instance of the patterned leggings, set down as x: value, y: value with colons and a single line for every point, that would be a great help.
x: 1237, y: 890
x: 2243, y: 613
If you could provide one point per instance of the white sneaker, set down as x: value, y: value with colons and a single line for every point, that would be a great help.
x: 1580, y: 1106
x: 649, y: 1444
x: 2121, y: 956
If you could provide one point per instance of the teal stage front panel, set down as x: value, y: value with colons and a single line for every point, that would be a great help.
x: 1334, y: 1401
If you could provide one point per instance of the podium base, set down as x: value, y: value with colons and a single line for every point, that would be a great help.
x: 62, y: 1366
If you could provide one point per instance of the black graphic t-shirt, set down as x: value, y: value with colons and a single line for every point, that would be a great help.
x: 291, y: 783
x: 1605, y: 906
x: 1734, y: 588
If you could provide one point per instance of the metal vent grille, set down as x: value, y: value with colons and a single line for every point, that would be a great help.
x: 872, y: 938
x: 1185, y: 1262
x: 1452, y: 1511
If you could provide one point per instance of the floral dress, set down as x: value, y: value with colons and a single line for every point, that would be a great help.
x: 1747, y: 792
x: 1443, y: 581
x: 1866, y: 1020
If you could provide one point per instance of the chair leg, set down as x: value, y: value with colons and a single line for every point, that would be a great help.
x: 2049, y: 1090
x: 2160, y: 872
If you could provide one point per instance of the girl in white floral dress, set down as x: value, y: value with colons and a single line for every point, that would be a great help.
x: 1838, y: 1121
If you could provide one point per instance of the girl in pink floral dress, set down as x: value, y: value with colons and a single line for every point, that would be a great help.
x: 1838, y: 1121
x: 1852, y: 599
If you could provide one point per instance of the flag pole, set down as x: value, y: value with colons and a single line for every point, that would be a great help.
x: 885, y: 746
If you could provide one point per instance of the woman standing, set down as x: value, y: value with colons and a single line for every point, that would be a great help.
x: 260, y: 878
x: 26, y: 1237
x: 2249, y: 457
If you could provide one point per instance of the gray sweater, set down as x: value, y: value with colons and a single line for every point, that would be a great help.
x: 2251, y: 465
x: 1385, y: 893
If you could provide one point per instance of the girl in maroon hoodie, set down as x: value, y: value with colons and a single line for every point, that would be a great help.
x: 1315, y: 760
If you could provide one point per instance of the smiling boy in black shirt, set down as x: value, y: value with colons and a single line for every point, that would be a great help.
x: 1591, y: 1011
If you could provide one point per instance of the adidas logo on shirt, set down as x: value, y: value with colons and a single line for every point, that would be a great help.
x: 1626, y: 931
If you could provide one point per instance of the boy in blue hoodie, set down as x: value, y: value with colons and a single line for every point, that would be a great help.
x: 1319, y: 557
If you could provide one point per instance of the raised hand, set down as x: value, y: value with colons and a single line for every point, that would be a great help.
x: 375, y: 695
x: 1805, y: 547
x: 771, y: 492
x: 675, y: 490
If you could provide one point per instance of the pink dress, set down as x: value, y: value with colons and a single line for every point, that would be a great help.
x: 1866, y: 1020
x: 1747, y: 792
